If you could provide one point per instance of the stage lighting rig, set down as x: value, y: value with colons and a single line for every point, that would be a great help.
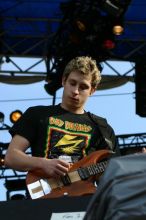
x: 86, y: 29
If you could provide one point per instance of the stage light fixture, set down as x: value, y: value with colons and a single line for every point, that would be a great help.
x: 140, y: 79
x: 117, y: 25
x: 118, y: 29
x: 18, y: 197
x: 7, y: 59
x: 109, y: 44
x: 2, y: 116
x: 52, y: 87
x: 1, y: 161
x: 81, y: 26
x: 15, y: 115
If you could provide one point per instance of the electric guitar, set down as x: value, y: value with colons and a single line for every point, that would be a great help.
x: 80, y: 179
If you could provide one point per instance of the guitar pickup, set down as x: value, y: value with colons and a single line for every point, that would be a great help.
x: 66, y: 180
x: 83, y: 173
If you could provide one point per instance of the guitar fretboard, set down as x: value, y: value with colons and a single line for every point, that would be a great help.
x: 86, y: 172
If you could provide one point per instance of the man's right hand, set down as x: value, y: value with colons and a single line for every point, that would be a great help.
x: 54, y: 167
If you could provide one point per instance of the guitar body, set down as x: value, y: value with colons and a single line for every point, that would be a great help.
x: 77, y: 187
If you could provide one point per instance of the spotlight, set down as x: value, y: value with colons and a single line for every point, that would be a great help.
x: 15, y: 115
x: 52, y: 87
x: 54, y: 77
x: 81, y: 26
x: 118, y: 29
x: 17, y: 197
x: 140, y: 79
x: 109, y: 44
x: 118, y: 26
x: 2, y: 116
x: 7, y: 59
x: 1, y: 161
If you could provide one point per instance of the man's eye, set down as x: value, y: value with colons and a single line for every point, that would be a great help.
x: 72, y: 83
x: 83, y: 87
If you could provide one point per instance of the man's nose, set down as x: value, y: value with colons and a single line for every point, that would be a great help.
x: 76, y: 90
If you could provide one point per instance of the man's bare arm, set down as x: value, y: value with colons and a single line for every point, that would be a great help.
x: 17, y: 159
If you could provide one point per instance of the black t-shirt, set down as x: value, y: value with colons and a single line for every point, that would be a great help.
x: 51, y: 130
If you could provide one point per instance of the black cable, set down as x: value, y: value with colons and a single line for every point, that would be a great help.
x: 37, y: 99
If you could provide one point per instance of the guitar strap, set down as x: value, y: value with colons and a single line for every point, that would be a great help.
x: 105, y: 129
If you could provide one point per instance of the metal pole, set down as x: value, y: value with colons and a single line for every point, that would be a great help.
x: 54, y: 99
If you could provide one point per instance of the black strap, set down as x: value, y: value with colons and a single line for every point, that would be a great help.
x: 105, y: 129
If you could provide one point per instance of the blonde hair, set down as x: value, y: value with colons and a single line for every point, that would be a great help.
x: 87, y: 66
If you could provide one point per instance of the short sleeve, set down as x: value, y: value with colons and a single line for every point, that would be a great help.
x: 26, y: 126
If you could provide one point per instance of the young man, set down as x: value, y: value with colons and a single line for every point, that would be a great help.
x: 64, y: 129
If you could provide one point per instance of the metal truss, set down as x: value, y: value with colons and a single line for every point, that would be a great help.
x: 30, y: 46
x: 12, y: 67
x: 14, y: 181
x: 36, y: 45
x: 32, y: 37
x: 130, y: 143
x: 25, y: 35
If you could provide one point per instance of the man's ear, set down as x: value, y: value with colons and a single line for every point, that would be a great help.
x: 92, y: 91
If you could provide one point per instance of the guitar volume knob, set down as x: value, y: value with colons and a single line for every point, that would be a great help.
x: 65, y: 193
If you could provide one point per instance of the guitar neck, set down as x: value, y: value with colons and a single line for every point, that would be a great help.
x: 86, y: 172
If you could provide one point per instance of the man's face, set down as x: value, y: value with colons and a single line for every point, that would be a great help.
x: 77, y: 88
